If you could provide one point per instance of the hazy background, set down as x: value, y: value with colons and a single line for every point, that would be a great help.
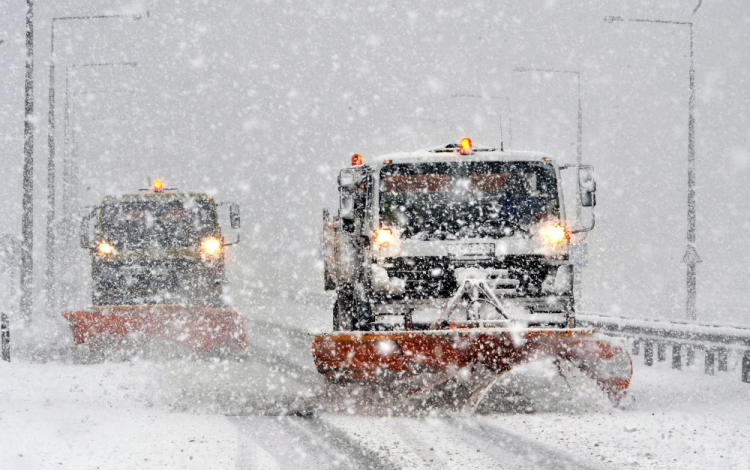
x: 262, y: 103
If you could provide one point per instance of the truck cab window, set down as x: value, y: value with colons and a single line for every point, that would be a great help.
x: 467, y: 200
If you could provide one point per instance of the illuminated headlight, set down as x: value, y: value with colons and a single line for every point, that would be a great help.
x: 554, y: 234
x: 384, y: 237
x: 211, y: 246
x: 105, y: 248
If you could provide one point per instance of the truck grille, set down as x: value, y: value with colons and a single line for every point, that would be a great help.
x: 422, y: 281
x: 151, y: 275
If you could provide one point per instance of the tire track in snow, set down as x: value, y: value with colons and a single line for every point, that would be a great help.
x: 418, y: 449
x: 268, y: 443
x: 506, y: 450
x: 518, y: 452
x: 455, y: 443
x: 294, y: 359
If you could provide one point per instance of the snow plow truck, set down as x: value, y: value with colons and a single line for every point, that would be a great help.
x: 158, y: 273
x: 454, y: 259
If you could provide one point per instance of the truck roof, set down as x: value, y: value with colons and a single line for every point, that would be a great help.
x: 451, y: 153
x: 149, y: 195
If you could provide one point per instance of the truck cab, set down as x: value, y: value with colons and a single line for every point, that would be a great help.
x: 157, y: 246
x: 411, y: 226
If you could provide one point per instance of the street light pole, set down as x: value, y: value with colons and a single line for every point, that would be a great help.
x: 51, y: 232
x: 27, y: 219
x: 691, y: 257
x: 65, y: 226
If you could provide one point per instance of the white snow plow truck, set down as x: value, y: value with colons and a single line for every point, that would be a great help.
x: 158, y: 272
x: 453, y: 257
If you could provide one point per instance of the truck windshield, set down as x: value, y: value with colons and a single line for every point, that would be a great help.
x: 432, y: 201
x: 157, y: 224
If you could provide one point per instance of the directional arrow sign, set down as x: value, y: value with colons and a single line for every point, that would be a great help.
x: 691, y: 256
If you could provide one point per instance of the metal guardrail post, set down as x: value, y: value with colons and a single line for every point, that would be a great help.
x: 5, y: 337
x: 708, y: 365
x: 690, y: 360
x: 746, y: 367
x: 636, y: 346
x: 676, y: 357
x: 661, y: 352
x: 723, y: 359
x: 648, y: 353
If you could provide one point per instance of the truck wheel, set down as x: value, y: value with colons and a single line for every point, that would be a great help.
x: 344, y: 310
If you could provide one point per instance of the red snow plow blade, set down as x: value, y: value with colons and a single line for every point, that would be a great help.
x: 199, y: 328
x: 385, y: 355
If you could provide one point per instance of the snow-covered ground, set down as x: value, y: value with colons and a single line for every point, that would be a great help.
x: 149, y: 413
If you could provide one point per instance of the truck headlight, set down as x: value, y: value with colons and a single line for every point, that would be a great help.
x: 384, y: 237
x: 105, y: 248
x: 211, y: 246
x: 554, y: 234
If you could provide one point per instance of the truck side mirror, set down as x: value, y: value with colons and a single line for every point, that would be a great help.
x: 89, y: 213
x: 234, y: 215
x: 346, y: 212
x: 587, y: 185
x: 354, y: 186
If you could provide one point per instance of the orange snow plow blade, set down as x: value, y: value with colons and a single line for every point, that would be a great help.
x: 199, y: 328
x: 385, y: 355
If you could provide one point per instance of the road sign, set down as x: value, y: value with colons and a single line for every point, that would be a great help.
x: 691, y: 256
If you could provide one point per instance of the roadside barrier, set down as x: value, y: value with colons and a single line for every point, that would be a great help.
x: 4, y: 337
x: 717, y: 342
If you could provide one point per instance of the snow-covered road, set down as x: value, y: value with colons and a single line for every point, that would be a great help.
x: 233, y: 414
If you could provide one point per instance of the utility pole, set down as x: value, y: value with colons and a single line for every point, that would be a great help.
x: 691, y: 258
x: 27, y: 219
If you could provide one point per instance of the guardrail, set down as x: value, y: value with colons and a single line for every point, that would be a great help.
x: 716, y: 341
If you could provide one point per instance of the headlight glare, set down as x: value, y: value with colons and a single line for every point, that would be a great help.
x: 555, y: 234
x: 211, y: 246
x: 105, y: 248
x: 384, y: 237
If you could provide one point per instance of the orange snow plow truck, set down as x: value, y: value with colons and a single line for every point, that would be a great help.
x: 158, y: 273
x: 456, y: 259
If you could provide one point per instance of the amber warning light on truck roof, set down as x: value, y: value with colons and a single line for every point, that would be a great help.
x: 465, y: 146
x: 158, y: 185
x: 356, y: 159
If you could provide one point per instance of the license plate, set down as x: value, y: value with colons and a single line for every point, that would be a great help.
x: 472, y: 250
x: 134, y: 269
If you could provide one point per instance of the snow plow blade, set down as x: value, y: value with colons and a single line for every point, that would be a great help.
x: 199, y: 328
x: 382, y: 356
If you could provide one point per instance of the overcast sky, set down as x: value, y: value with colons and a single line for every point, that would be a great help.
x: 263, y: 102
